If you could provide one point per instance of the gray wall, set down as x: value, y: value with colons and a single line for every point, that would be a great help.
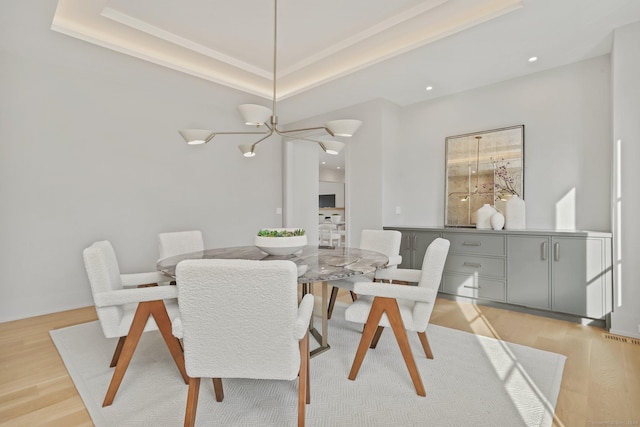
x: 626, y: 197
x: 89, y: 150
x: 364, y: 165
x: 566, y: 112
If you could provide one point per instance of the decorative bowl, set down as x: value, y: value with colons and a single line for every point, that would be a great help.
x: 280, y: 246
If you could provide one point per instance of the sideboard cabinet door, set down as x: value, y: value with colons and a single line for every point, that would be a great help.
x: 528, y: 271
x: 413, y: 247
x: 579, y: 275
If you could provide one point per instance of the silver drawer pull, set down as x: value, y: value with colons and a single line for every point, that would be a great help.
x: 471, y: 287
x: 472, y: 264
x: 472, y: 243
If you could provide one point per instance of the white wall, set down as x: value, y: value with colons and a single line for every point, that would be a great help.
x: 566, y: 113
x: 626, y: 196
x: 301, y: 201
x: 337, y: 188
x: 364, y: 165
x: 89, y: 150
x: 331, y: 175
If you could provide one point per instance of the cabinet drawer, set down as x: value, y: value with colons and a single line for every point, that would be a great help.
x: 474, y: 287
x: 472, y: 243
x: 466, y: 264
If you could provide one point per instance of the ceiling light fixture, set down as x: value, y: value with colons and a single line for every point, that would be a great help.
x: 258, y: 115
x: 428, y: 88
x: 533, y: 59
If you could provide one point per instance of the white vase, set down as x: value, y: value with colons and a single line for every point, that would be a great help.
x: 336, y: 218
x: 483, y: 216
x: 514, y: 215
x: 497, y: 221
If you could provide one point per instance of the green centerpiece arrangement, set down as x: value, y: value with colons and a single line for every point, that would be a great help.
x: 281, y: 232
x: 280, y: 241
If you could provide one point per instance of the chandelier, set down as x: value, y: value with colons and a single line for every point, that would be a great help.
x: 258, y: 116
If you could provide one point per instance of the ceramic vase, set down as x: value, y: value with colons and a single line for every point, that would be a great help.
x: 483, y: 217
x: 514, y: 217
x: 497, y: 221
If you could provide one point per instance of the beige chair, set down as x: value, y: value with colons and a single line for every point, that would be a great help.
x: 386, y: 242
x: 241, y: 319
x: 403, y: 308
x: 179, y: 242
x: 126, y: 313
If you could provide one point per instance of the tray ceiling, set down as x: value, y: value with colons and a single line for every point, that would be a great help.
x: 231, y: 43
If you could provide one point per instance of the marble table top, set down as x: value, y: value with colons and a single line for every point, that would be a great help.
x: 314, y: 264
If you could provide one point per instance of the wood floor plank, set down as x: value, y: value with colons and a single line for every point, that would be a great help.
x: 601, y: 381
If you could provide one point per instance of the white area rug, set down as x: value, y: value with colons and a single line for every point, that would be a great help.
x: 472, y: 381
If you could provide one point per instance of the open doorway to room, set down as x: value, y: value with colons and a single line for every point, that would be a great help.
x: 332, y: 214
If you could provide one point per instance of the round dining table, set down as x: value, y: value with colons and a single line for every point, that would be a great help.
x: 315, y: 265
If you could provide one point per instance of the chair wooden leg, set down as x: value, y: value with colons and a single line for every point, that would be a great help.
x: 116, y: 354
x: 135, y: 331
x: 192, y: 402
x: 332, y: 301
x: 367, y: 335
x: 353, y: 296
x: 308, y: 353
x: 425, y: 344
x: 159, y: 312
x: 303, y: 379
x: 393, y: 313
x: 217, y: 388
x: 376, y: 337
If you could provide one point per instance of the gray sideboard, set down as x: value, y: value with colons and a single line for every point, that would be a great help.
x: 567, y: 272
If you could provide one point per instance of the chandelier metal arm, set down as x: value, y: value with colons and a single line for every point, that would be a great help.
x: 282, y: 132
x: 241, y: 133
x: 267, y: 135
x: 303, y: 139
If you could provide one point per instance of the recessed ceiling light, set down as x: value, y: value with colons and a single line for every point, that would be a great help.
x: 324, y: 163
x: 533, y: 59
x: 338, y: 167
x: 429, y: 88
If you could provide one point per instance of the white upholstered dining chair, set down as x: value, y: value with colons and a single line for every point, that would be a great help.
x: 128, y: 305
x: 179, y: 242
x: 329, y: 235
x: 241, y: 319
x: 386, y: 242
x: 403, y: 308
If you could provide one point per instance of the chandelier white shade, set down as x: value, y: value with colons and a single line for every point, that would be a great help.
x: 259, y: 116
x: 345, y: 127
x: 247, y: 150
x: 332, y: 147
x: 254, y: 114
x: 196, y: 136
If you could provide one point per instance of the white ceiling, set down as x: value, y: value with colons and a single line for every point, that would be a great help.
x: 337, y: 53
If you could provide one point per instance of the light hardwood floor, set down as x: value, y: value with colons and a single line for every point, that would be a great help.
x: 600, y: 386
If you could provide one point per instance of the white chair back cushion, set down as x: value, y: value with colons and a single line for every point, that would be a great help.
x: 384, y: 241
x: 432, y: 268
x: 179, y: 242
x: 238, y: 318
x: 104, y: 275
